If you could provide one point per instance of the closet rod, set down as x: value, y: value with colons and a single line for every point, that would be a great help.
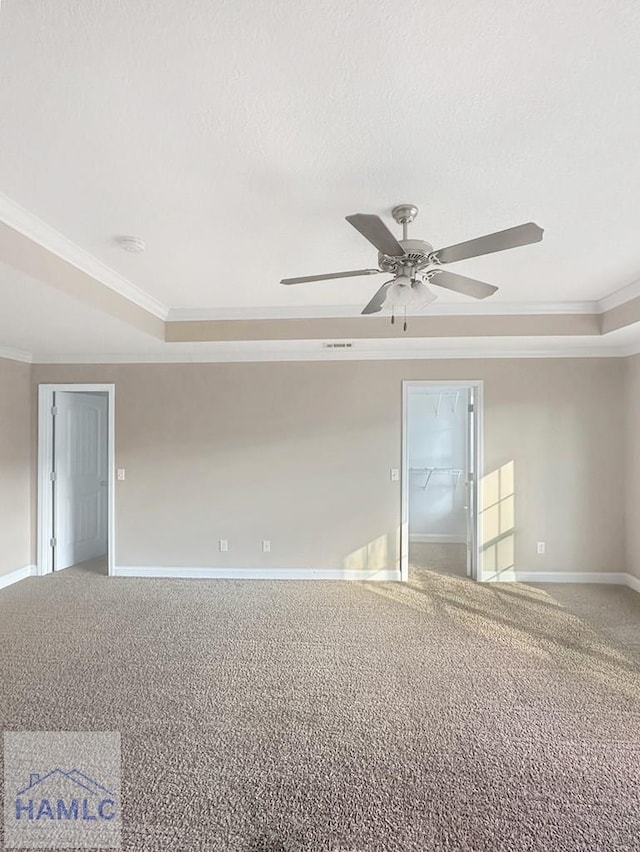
x: 429, y: 471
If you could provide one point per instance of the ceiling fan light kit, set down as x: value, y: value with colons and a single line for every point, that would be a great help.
x: 414, y: 264
x: 415, y: 294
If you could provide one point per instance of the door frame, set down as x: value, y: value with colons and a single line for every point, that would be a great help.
x: 478, y: 440
x: 44, y: 564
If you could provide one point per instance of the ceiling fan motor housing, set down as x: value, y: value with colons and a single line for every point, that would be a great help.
x: 416, y: 251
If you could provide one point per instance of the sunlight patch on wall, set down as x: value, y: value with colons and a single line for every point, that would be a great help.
x: 374, y: 555
x: 498, y: 523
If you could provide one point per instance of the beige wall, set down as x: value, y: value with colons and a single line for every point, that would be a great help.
x: 300, y: 453
x: 15, y: 462
x: 632, y: 502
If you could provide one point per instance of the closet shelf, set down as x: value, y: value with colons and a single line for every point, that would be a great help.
x: 454, y: 472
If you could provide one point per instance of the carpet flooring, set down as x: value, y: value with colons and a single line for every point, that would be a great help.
x: 442, y: 558
x: 265, y: 716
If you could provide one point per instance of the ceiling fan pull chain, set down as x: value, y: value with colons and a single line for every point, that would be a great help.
x: 404, y: 328
x: 393, y: 319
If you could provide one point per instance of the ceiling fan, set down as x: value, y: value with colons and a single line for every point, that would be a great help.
x: 414, y: 263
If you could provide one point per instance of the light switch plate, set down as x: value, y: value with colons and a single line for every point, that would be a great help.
x: 395, y: 474
x: 266, y: 545
x: 224, y: 545
x: 121, y: 473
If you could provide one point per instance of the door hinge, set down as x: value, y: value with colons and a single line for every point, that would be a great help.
x: 53, y: 476
x: 470, y: 408
x: 471, y: 476
x: 52, y: 542
x: 54, y: 410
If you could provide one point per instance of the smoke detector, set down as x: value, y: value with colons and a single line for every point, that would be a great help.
x: 134, y: 245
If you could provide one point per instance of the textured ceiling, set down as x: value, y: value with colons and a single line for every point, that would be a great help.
x: 233, y: 137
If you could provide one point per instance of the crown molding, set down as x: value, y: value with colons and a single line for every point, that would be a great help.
x: 360, y: 350
x: 263, y: 357
x: 619, y: 297
x: 16, y: 354
x: 35, y: 229
x: 441, y: 309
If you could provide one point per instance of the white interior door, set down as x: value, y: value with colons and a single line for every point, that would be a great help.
x: 80, y: 460
x: 472, y: 482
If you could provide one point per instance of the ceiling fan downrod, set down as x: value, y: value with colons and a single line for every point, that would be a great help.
x: 404, y: 214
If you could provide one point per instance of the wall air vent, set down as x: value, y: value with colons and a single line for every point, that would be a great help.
x: 339, y: 344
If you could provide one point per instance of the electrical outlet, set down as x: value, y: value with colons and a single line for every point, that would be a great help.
x: 224, y: 545
x: 395, y: 474
x: 541, y: 548
x: 266, y: 545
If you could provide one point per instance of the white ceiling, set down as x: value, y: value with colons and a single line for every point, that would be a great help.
x: 234, y: 138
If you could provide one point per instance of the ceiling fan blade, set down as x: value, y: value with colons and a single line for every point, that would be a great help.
x: 330, y: 275
x: 521, y: 235
x: 377, y: 302
x: 461, y: 284
x: 374, y: 229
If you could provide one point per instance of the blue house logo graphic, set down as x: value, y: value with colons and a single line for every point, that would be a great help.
x: 65, y: 796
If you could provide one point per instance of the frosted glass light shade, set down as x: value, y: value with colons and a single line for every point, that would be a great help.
x: 422, y: 295
x: 403, y: 294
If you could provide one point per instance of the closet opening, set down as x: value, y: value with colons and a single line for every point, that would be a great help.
x: 441, y: 468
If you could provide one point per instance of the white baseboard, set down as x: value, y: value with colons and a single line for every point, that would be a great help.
x: 570, y: 577
x: 17, y: 575
x: 632, y: 582
x: 434, y: 538
x: 603, y: 577
x: 382, y: 575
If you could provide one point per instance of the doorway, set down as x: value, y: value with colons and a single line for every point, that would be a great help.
x: 75, y: 478
x: 441, y: 463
